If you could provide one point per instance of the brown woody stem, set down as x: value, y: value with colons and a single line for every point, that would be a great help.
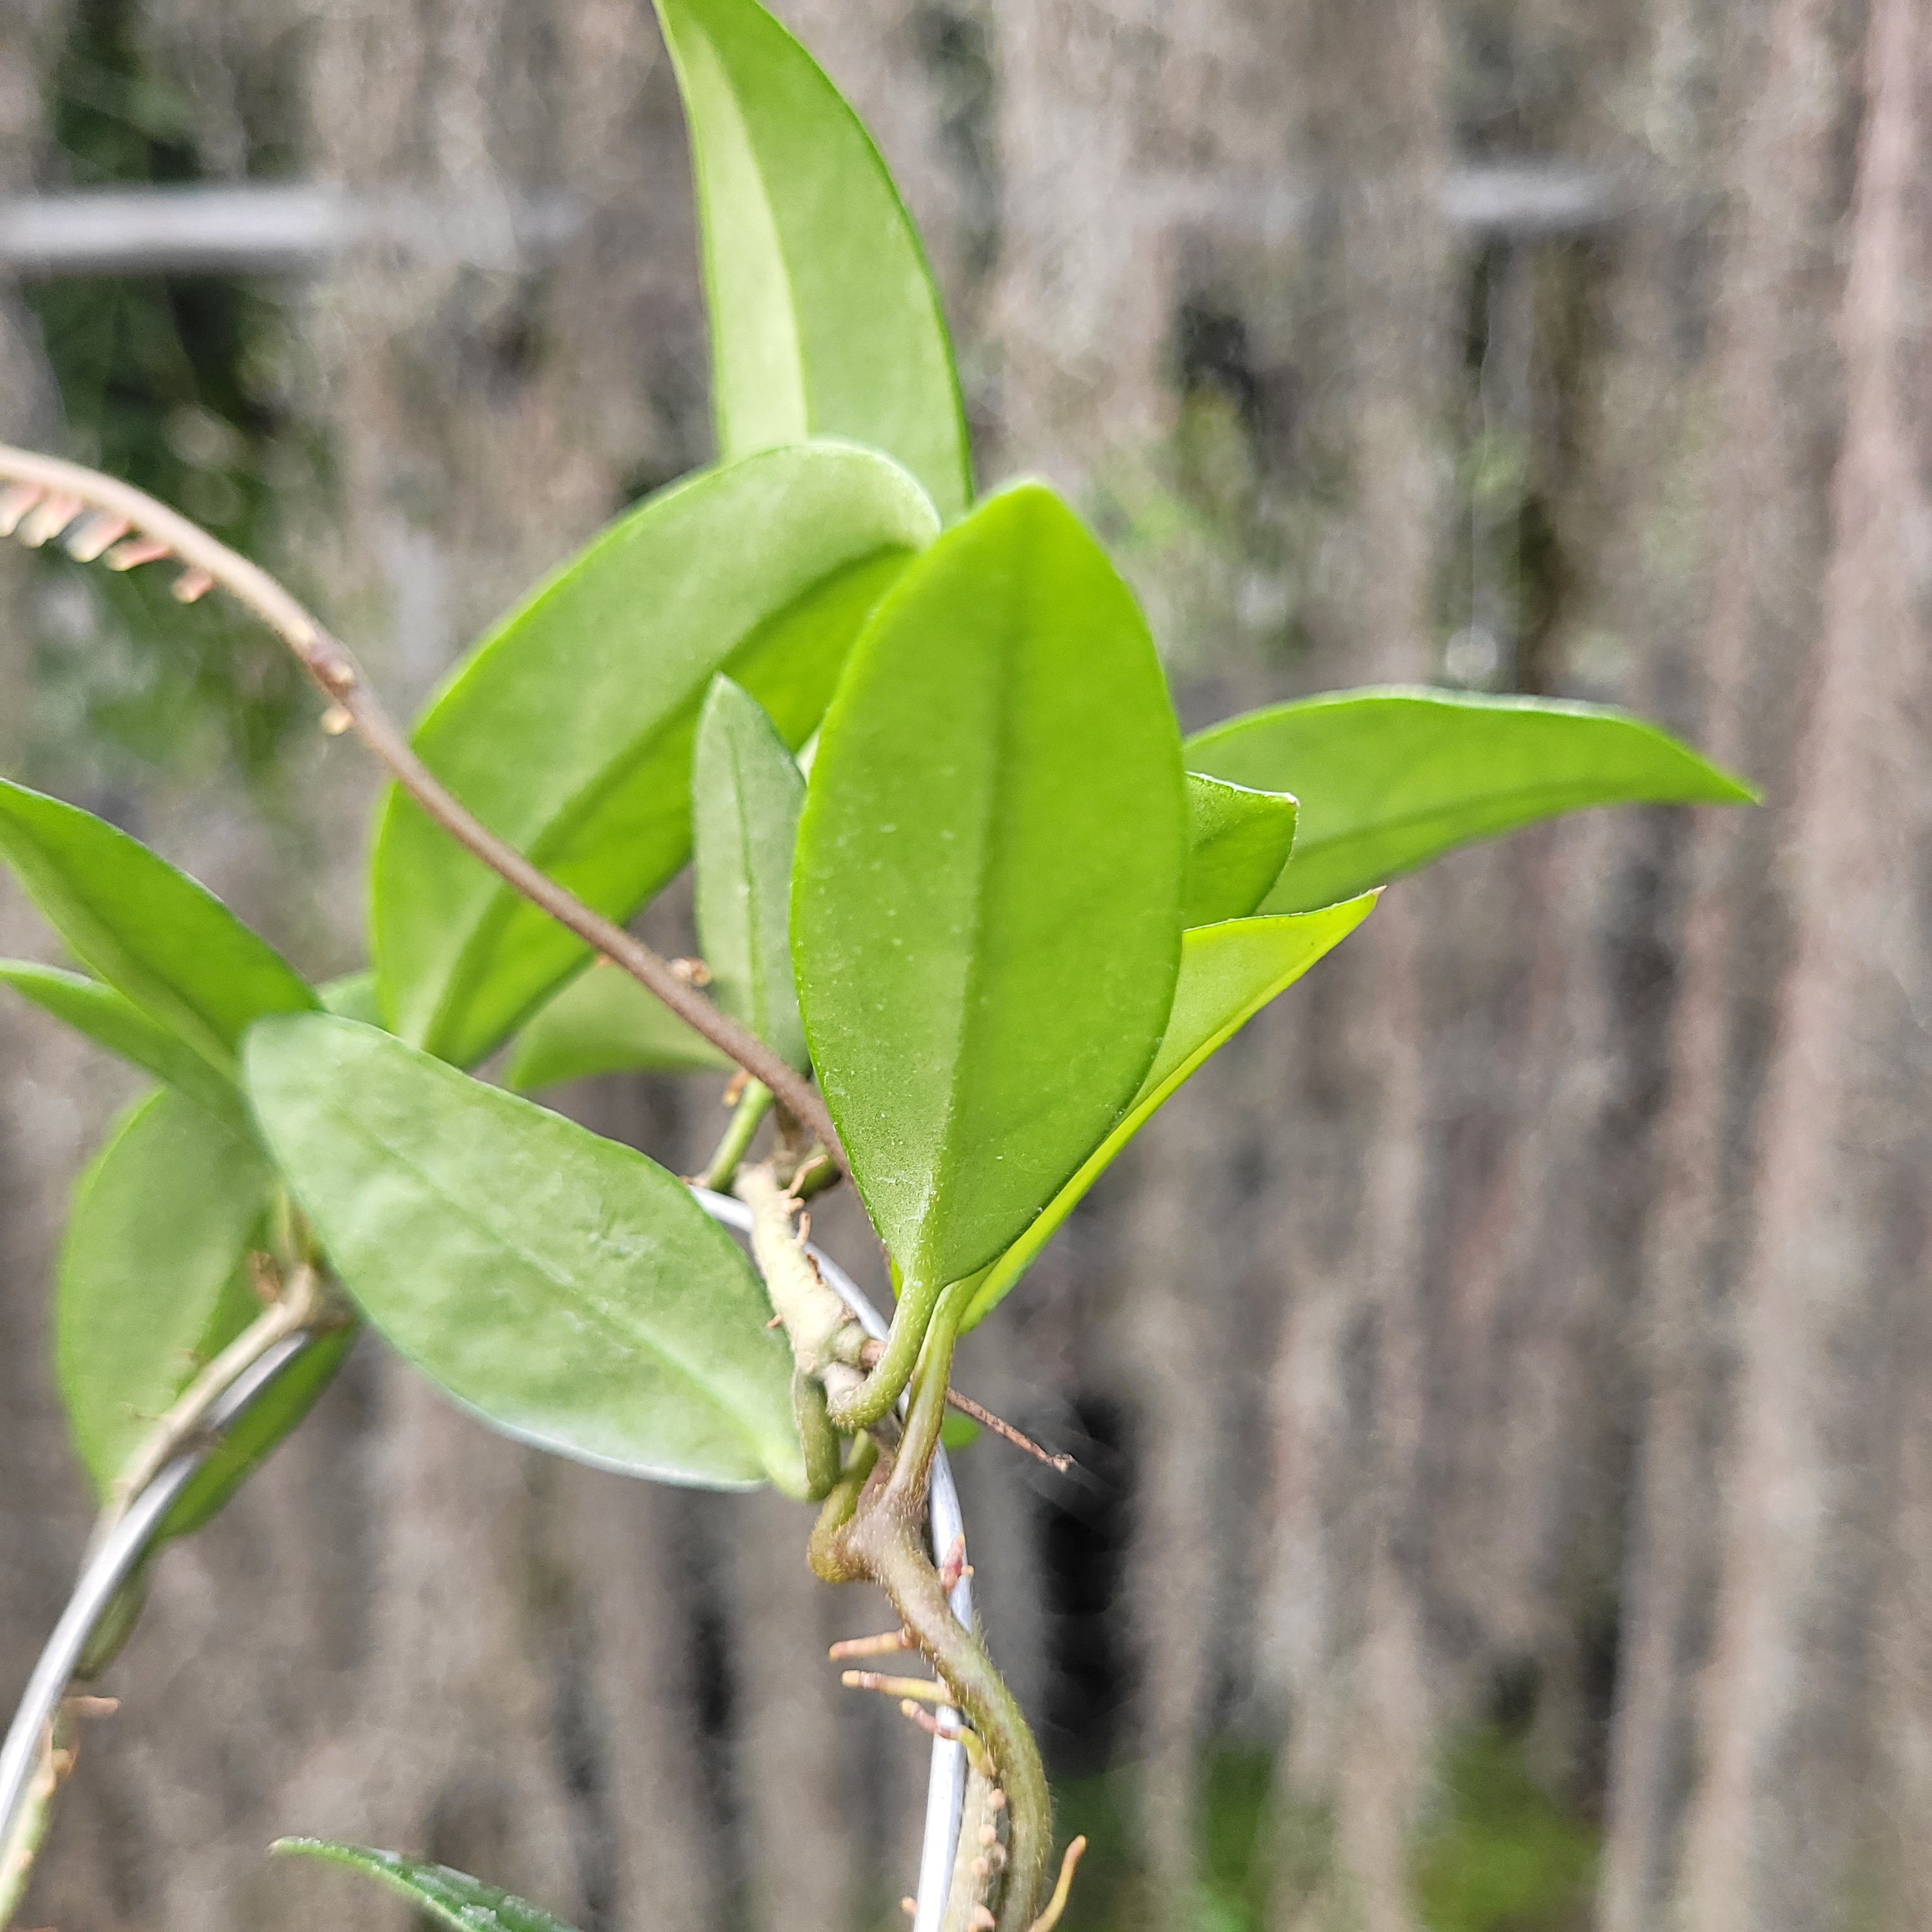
x: 339, y: 679
x: 875, y: 1531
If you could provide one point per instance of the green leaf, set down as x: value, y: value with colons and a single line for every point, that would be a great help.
x: 1238, y: 841
x: 446, y: 1897
x: 352, y: 998
x: 120, y: 1026
x: 568, y: 731
x: 746, y: 794
x: 568, y: 1290
x: 153, y: 1280
x: 957, y: 1433
x: 153, y: 1283
x: 985, y: 913
x: 152, y: 933
x: 1389, y: 780
x: 824, y: 320
x: 604, y: 1022
x: 1228, y: 973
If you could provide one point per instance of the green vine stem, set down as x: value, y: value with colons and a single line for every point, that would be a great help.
x: 753, y: 1106
x: 911, y: 1329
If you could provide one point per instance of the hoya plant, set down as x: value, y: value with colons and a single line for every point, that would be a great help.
x: 969, y: 907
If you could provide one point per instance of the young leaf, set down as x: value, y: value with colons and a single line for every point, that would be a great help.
x: 120, y: 1026
x: 1238, y: 841
x: 1389, y: 780
x: 746, y: 794
x: 824, y: 320
x: 444, y: 1896
x: 569, y: 732
x: 604, y: 1022
x: 1228, y: 973
x: 167, y: 943
x: 985, y: 908
x: 568, y: 1290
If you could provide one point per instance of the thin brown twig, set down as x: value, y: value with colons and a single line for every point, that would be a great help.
x: 162, y: 532
x: 869, y: 1355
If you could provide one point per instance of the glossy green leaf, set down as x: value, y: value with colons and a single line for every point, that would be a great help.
x: 1389, y: 780
x: 119, y: 1025
x: 824, y: 320
x: 353, y: 996
x: 746, y: 794
x: 1238, y: 840
x: 568, y: 1290
x: 986, y: 909
x: 1228, y: 973
x: 604, y: 1022
x: 153, y: 1279
x: 153, y: 1283
x: 569, y: 732
x: 444, y: 1896
x: 165, y: 942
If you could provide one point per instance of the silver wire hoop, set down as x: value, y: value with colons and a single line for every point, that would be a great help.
x: 120, y: 1552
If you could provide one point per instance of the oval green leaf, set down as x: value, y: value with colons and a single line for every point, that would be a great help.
x: 1238, y: 840
x: 604, y: 1022
x: 445, y: 1897
x: 567, y: 1290
x: 153, y: 1279
x: 119, y: 1025
x: 152, y: 933
x: 746, y: 794
x: 568, y: 731
x: 1390, y: 779
x: 986, y: 906
x: 1228, y: 973
x: 824, y: 319
x: 153, y: 1283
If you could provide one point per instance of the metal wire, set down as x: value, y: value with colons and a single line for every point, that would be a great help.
x: 108, y: 1566
x: 120, y: 1552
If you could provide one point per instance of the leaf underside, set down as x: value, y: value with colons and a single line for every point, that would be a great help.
x: 747, y: 792
x: 604, y: 1022
x: 568, y: 1291
x: 157, y: 936
x: 1228, y: 973
x: 447, y: 1897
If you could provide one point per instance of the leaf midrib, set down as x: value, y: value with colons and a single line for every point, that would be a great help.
x: 617, y: 1327
x: 1402, y: 822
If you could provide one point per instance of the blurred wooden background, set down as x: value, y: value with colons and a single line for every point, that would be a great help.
x: 1504, y: 1381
